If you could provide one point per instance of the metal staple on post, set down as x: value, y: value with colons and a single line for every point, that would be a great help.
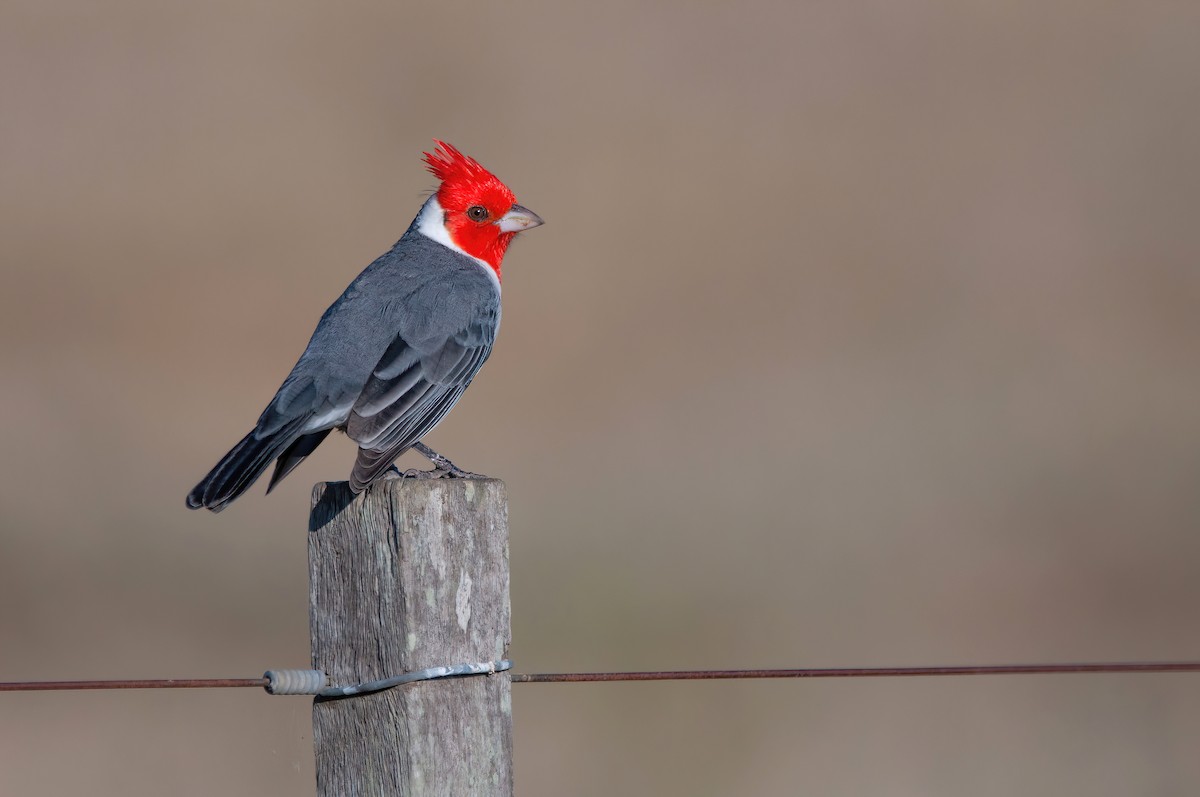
x: 313, y: 682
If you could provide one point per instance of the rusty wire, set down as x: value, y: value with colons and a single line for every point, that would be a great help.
x: 666, y: 675
x: 861, y: 672
x: 166, y: 683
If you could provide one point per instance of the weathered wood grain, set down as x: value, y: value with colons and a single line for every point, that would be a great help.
x: 408, y: 575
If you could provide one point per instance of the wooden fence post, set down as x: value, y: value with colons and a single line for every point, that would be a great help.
x: 408, y: 575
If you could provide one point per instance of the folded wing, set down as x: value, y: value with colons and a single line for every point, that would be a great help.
x: 411, y: 389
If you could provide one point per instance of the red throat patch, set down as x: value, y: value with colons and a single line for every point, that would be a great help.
x: 473, y: 199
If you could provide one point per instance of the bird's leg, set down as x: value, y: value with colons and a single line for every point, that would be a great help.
x: 444, y: 465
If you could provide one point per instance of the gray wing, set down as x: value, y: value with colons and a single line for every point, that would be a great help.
x: 387, y: 361
x: 411, y: 389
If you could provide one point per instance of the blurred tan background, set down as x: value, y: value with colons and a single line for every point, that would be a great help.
x: 858, y: 334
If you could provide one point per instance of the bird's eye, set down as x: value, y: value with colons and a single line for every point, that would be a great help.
x: 477, y: 213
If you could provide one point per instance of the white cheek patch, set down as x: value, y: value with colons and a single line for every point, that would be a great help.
x: 431, y: 222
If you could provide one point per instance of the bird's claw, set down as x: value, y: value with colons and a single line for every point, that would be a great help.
x: 412, y: 473
x: 447, y: 469
x: 434, y: 473
x: 458, y: 473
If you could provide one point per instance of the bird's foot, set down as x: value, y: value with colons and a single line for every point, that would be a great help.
x: 452, y: 472
x: 414, y: 473
x: 443, y: 467
x: 455, y: 472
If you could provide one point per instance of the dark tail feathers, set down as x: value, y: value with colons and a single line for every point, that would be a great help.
x: 295, y: 454
x: 245, y: 462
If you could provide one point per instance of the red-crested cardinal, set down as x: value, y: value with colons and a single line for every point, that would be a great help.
x: 397, y: 349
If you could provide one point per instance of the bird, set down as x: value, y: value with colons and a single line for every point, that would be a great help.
x: 394, y: 353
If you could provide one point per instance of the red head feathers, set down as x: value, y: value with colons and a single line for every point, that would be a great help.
x: 447, y: 163
x: 474, y: 201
